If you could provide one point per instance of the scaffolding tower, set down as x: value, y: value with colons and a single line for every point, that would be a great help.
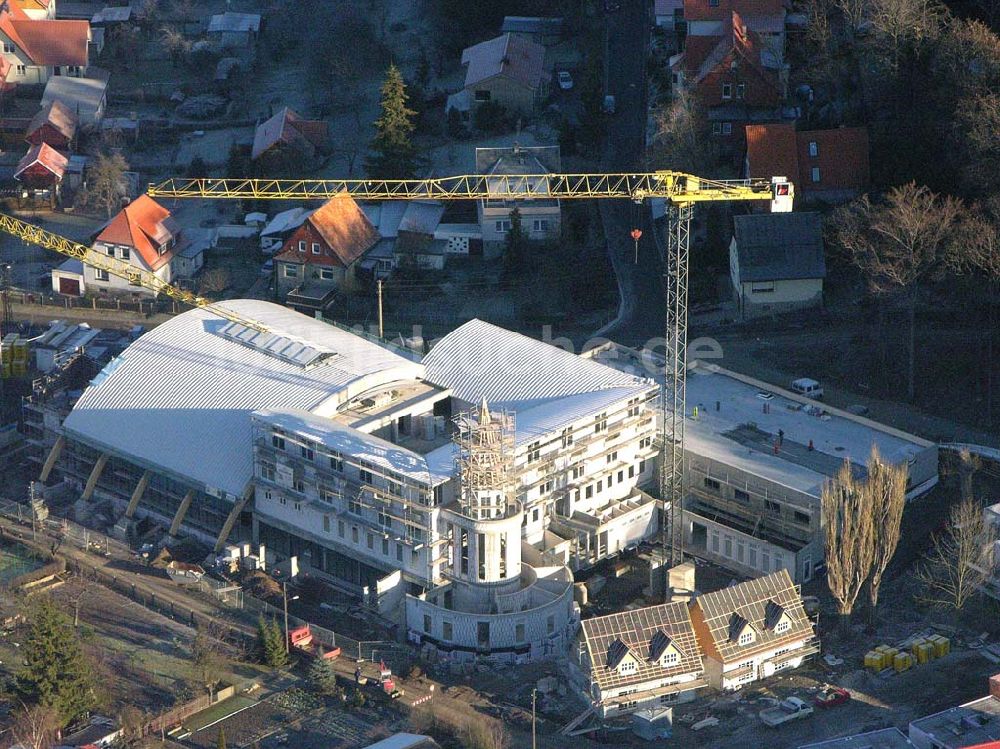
x: 485, y: 461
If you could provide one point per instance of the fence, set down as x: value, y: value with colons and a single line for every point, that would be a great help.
x: 141, y: 306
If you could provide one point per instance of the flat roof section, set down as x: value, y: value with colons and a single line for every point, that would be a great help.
x: 976, y: 722
x: 887, y: 738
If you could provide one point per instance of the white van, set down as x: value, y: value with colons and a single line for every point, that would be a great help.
x: 807, y: 387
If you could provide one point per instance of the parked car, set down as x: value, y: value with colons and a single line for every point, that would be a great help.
x: 609, y: 105
x: 808, y: 387
x: 787, y: 710
x: 565, y: 80
x: 831, y: 697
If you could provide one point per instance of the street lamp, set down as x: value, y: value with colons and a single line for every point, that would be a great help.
x: 285, y: 598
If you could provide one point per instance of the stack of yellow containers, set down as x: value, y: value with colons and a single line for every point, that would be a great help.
x: 902, y: 661
x: 19, y: 365
x: 874, y: 660
x: 942, y: 645
x: 6, y: 356
x: 923, y: 651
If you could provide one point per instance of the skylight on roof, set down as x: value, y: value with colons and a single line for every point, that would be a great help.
x: 292, y: 352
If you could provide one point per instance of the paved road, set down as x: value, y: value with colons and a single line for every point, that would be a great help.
x: 641, y: 284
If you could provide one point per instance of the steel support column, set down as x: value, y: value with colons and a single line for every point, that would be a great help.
x: 674, y: 390
x: 95, y: 474
x: 50, y: 461
x: 175, y: 525
x: 140, y: 489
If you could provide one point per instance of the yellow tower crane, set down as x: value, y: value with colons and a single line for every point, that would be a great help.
x: 681, y: 191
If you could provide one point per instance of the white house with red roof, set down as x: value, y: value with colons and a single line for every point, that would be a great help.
x: 288, y: 130
x: 41, y: 168
x: 508, y: 70
x: 36, y: 50
x: 36, y: 10
x: 145, y: 236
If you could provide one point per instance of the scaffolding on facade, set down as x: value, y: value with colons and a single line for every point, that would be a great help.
x: 485, y: 460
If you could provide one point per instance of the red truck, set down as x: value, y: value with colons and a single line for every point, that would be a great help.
x: 301, y: 638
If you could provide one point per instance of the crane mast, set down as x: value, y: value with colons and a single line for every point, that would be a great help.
x: 681, y: 191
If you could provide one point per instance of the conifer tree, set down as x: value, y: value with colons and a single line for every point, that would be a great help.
x: 322, y: 676
x: 56, y: 672
x: 392, y: 155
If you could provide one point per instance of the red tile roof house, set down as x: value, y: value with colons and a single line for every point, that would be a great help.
x: 825, y: 165
x: 288, y: 131
x: 766, y: 18
x: 38, y: 50
x: 735, y: 78
x: 145, y: 236
x: 41, y: 168
x: 322, y: 256
x: 54, y: 124
x: 508, y: 70
x: 37, y: 10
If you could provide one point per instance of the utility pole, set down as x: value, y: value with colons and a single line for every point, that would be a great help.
x: 284, y: 598
x: 534, y: 693
x: 380, y: 330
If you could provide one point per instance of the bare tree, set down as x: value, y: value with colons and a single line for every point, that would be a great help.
x: 175, y: 44
x: 885, y: 488
x: 35, y: 727
x: 855, y: 12
x: 960, y: 560
x: 898, y: 244
x: 850, y: 539
x: 214, y: 281
x: 486, y: 734
x: 897, y: 23
x: 106, y: 183
x: 678, y: 139
x: 208, y: 655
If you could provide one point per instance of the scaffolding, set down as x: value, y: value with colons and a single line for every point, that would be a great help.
x: 485, y: 461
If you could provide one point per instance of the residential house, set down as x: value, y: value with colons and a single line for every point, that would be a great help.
x: 544, y: 31
x: 287, y: 131
x: 736, y: 78
x: 416, y: 244
x: 54, y: 124
x: 41, y: 168
x: 36, y: 10
x: 86, y: 98
x: 765, y: 18
x: 887, y: 738
x: 776, y: 263
x: 145, y: 236
x: 669, y: 14
x: 639, y: 659
x: 541, y: 219
x: 39, y: 50
x: 752, y: 630
x: 236, y: 31
x: 280, y: 228
x: 974, y: 724
x: 68, y: 278
x: 508, y: 70
x: 321, y: 256
x: 825, y: 165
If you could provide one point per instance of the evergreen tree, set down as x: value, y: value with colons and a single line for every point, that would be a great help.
x: 393, y: 156
x: 271, y: 641
x: 220, y: 742
x: 56, y: 672
x: 515, y: 249
x: 322, y: 676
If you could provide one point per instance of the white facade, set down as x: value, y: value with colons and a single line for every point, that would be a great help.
x: 771, y: 297
x: 98, y: 280
x: 731, y: 676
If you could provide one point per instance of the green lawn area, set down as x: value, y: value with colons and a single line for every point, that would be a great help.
x: 218, y: 712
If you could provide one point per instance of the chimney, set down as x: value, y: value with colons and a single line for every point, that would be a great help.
x: 995, y: 686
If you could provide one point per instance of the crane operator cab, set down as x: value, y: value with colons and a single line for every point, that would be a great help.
x: 782, y: 195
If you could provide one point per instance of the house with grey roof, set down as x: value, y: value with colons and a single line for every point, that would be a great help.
x: 639, y: 659
x: 508, y: 70
x: 776, y: 263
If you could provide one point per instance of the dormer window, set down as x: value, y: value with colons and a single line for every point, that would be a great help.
x: 746, y: 638
x: 740, y: 631
x: 663, y: 650
x: 620, y: 658
x: 782, y: 626
x: 776, y: 618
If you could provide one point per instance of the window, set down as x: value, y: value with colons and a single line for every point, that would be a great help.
x: 315, y: 248
x: 645, y: 442
x: 101, y: 275
x: 801, y: 517
x: 336, y: 463
x: 727, y: 546
x: 567, y: 439
x: 399, y: 552
x: 267, y: 472
x: 601, y: 422
x: 534, y: 515
x: 713, y: 3
x: 727, y: 90
x: 110, y: 251
x: 590, y: 491
x: 782, y: 626
x: 741, y: 90
x: 302, y: 245
x: 126, y: 255
x: 482, y: 95
x: 427, y: 624
x: 550, y: 624
x: 772, y: 507
x: 354, y: 506
x: 534, y: 451
x: 611, y: 457
x: 712, y: 484
x: 299, y: 486
x: 370, y: 540
x: 277, y: 442
x: 670, y: 658
x: 762, y: 288
x: 8, y: 48
x: 365, y: 476
x: 326, y: 274
x: 519, y: 632
x: 633, y: 407
x: 577, y: 471
x: 813, y: 148
x: 642, y: 466
x: 383, y: 517
x: 716, y: 128
x: 741, y: 496
x: 291, y: 271
x: 503, y: 226
x: 354, y: 533
x: 385, y: 547
x: 727, y: 128
x: 746, y: 638
x: 22, y: 70
x: 540, y: 224
x: 307, y: 452
x: 340, y: 528
x: 446, y: 631
x: 326, y: 523
x: 814, y: 174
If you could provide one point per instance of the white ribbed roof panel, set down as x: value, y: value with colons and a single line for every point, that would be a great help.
x: 180, y: 398
x: 479, y: 360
